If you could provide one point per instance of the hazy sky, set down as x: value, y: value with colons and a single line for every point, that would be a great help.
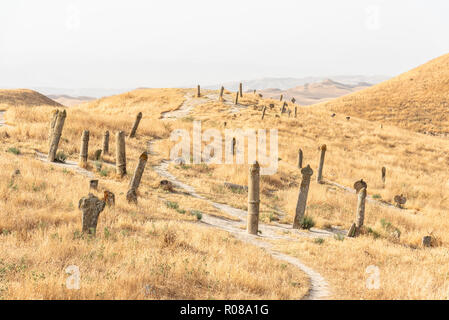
x: 132, y: 43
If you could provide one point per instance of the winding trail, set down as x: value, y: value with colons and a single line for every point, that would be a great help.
x: 319, y: 288
x: 71, y: 165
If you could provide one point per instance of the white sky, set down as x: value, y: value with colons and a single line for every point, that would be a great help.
x: 130, y: 43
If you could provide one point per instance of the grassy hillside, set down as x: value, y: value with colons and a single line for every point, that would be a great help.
x: 34, y: 210
x: 24, y: 97
x: 417, y: 100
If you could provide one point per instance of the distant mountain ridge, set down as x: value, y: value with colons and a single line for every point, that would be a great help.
x: 287, y: 83
x: 70, y: 101
x: 312, y: 93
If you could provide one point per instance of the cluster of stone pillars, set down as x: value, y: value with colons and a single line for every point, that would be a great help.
x: 306, y: 172
x: 91, y: 206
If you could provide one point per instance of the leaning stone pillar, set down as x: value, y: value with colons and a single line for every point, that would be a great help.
x: 135, y: 181
x: 132, y: 134
x: 302, y: 197
x: 56, y: 136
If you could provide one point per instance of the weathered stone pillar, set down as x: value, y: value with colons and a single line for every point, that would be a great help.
x: 360, y: 210
x: 198, y: 91
x: 120, y: 158
x: 91, y: 207
x: 52, y: 126
x: 384, y: 172
x: 106, y: 142
x: 221, y: 93
x: 356, y: 227
x: 236, y: 98
x: 263, y: 112
x: 234, y: 141
x: 281, y: 97
x: 132, y: 134
x: 319, y: 177
x: 84, y: 150
x: 241, y: 90
x: 295, y: 111
x: 131, y: 196
x: 56, y: 136
x: 302, y: 197
x: 300, y: 156
x: 253, y: 199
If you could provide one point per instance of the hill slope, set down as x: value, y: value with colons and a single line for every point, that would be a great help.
x: 24, y: 97
x: 311, y: 93
x: 415, y: 100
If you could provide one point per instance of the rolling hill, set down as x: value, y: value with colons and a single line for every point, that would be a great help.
x: 416, y: 100
x: 21, y: 97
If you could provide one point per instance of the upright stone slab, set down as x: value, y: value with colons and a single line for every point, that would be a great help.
x: 319, y: 177
x: 300, y: 156
x: 120, y: 158
x: 296, y: 109
x: 132, y: 134
x: 135, y: 181
x: 56, y: 136
x: 253, y: 199
x: 241, y: 90
x: 91, y: 207
x: 384, y: 172
x: 84, y: 150
x: 198, y: 91
x: 236, y: 98
x: 106, y: 142
x: 302, y: 197
x: 281, y: 97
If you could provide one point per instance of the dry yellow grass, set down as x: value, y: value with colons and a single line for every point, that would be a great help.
x: 357, y: 149
x: 416, y: 100
x: 150, y: 251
